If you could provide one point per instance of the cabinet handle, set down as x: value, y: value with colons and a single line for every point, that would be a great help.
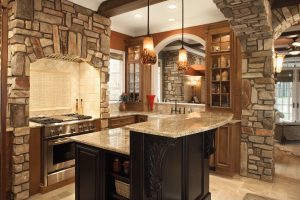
x: 293, y: 104
x: 297, y: 104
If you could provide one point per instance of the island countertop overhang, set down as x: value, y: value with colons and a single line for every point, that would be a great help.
x: 182, y: 125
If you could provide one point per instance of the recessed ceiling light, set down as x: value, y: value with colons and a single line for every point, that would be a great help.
x: 138, y: 15
x: 172, y: 6
x: 171, y: 20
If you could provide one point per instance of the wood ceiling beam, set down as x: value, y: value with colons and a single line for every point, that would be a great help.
x: 284, y: 3
x: 112, y: 8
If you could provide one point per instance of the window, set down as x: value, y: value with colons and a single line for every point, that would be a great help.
x: 116, y: 77
x: 287, y: 94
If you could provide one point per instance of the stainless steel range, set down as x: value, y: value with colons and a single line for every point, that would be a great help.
x: 58, y: 150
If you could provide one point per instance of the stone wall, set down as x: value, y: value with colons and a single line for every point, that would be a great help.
x: 48, y: 28
x: 257, y: 26
x: 285, y: 17
x: 251, y: 21
x: 173, y: 81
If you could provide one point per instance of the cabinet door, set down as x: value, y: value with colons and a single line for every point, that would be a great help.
x: 88, y: 171
x: 224, y: 150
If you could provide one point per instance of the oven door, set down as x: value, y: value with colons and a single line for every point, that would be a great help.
x: 60, y: 154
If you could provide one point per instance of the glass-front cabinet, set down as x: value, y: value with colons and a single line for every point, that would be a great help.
x: 138, y: 77
x: 133, y: 73
x: 223, y: 71
x: 220, y: 71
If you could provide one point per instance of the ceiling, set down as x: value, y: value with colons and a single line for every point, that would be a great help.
x: 283, y: 43
x: 91, y: 4
x: 197, y: 12
x: 189, y: 44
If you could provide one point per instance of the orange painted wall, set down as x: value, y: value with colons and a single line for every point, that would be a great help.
x: 117, y: 40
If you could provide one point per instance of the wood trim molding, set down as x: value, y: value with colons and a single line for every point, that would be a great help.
x: 3, y: 136
x: 285, y: 3
x: 112, y: 8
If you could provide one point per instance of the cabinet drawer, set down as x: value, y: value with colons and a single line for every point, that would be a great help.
x: 121, y: 121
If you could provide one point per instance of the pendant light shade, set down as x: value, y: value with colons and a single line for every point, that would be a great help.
x: 279, y: 63
x: 148, y: 55
x: 182, y: 63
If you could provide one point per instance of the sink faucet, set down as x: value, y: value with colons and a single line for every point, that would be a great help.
x: 175, y: 109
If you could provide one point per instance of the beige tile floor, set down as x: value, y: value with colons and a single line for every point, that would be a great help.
x: 286, y: 185
x: 222, y: 188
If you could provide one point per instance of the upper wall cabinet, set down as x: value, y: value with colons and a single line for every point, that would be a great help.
x: 224, y: 71
x: 138, y: 76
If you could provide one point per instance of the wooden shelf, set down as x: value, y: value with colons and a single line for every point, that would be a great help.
x: 116, y: 196
x: 219, y: 68
x: 120, y: 177
x: 217, y: 53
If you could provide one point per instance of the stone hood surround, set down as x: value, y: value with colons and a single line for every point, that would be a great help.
x: 183, y: 125
x: 55, y: 29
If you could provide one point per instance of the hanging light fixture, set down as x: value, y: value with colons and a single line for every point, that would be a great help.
x: 148, y: 55
x: 278, y: 65
x: 182, y: 63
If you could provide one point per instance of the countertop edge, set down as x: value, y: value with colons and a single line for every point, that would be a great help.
x: 186, y: 133
x: 100, y: 146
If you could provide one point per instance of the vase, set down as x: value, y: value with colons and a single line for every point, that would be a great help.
x: 225, y: 76
x: 122, y: 106
x: 151, y: 101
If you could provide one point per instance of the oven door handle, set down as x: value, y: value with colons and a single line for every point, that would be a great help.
x: 59, y: 141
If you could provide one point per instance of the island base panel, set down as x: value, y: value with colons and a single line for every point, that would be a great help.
x: 170, y: 168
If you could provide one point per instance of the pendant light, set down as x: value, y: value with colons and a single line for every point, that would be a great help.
x: 182, y: 63
x: 148, y: 55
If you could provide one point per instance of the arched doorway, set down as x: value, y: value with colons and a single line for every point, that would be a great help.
x: 287, y: 86
x: 156, y: 72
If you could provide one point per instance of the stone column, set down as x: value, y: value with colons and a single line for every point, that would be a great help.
x: 251, y: 21
x: 258, y: 99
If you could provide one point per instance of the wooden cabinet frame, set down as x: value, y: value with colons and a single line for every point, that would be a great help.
x: 235, y: 72
x: 145, y: 78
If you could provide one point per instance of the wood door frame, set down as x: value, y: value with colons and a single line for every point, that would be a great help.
x: 3, y: 136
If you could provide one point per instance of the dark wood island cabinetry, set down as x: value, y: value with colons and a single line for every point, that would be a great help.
x: 169, y: 159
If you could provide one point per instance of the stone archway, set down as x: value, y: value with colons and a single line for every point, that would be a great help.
x: 38, y: 30
x: 283, y: 18
x: 162, y: 44
x: 257, y: 26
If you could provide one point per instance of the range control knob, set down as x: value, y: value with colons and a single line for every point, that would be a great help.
x: 92, y: 126
x: 60, y: 130
x: 52, y: 132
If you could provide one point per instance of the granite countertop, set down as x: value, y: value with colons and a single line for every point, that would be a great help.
x: 182, y: 125
x: 128, y: 113
x: 116, y: 140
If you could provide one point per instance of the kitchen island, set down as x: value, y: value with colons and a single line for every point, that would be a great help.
x: 169, y: 158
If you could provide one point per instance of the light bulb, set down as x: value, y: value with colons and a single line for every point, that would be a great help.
x: 182, y: 55
x: 148, y: 43
x: 279, y: 63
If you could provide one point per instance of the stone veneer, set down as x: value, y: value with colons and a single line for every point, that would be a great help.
x: 173, y: 81
x: 48, y: 28
x: 285, y: 17
x: 253, y: 21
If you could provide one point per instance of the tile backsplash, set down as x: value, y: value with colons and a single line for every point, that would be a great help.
x: 56, y: 84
